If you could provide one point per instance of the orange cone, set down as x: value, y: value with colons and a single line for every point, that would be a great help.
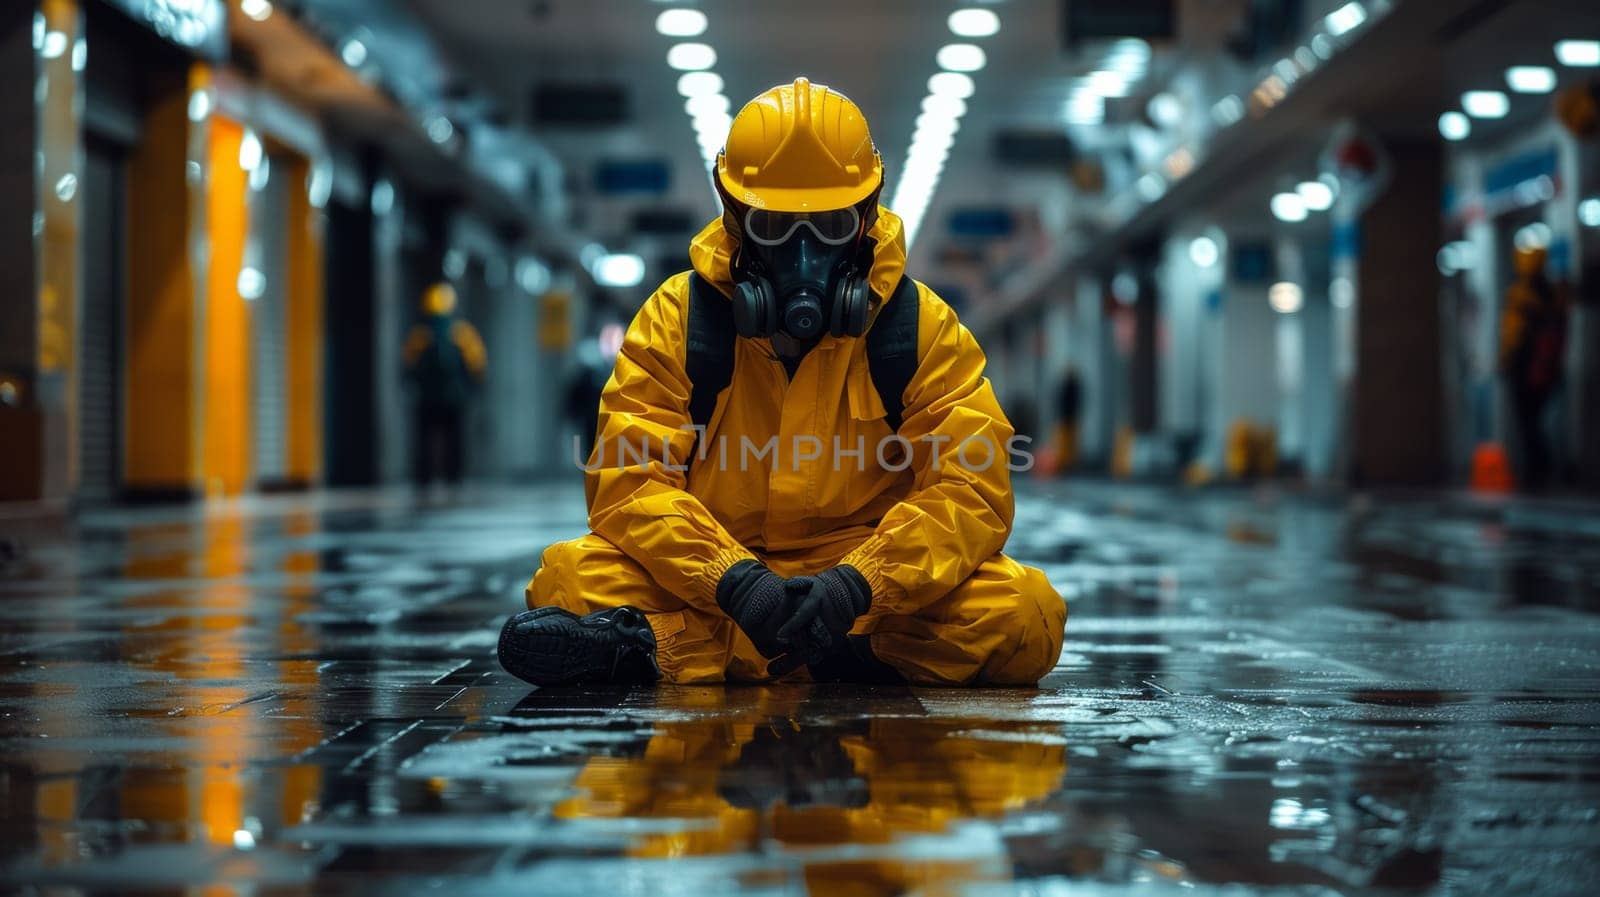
x: 1491, y: 469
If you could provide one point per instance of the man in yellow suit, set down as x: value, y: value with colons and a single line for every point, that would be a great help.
x: 800, y: 463
x: 445, y: 361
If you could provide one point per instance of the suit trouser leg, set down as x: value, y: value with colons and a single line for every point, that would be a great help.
x: 692, y: 645
x: 1002, y: 626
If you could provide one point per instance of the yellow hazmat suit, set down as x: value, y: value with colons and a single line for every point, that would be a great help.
x: 925, y: 531
x: 439, y: 302
x: 729, y: 767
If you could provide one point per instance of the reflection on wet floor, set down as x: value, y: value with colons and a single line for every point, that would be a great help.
x: 1258, y: 694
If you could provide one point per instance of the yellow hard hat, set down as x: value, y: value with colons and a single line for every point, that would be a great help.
x: 439, y: 299
x: 797, y: 148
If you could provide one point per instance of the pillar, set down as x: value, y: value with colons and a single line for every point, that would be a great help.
x: 1396, y: 419
x: 164, y: 437
x: 42, y: 55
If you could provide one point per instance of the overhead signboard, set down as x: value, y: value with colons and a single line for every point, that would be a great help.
x: 1016, y: 148
x: 982, y: 222
x: 1083, y: 20
x: 585, y: 105
x: 199, y: 26
x: 615, y: 176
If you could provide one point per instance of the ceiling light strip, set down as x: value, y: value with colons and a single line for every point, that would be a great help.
x: 942, y: 111
x: 699, y: 85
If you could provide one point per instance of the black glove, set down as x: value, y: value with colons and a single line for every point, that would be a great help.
x: 800, y: 767
x: 825, y: 607
x: 755, y: 599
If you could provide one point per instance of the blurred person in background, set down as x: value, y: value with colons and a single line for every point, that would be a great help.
x: 797, y: 321
x: 582, y: 401
x: 1069, y: 406
x: 445, y: 363
x: 1533, y: 342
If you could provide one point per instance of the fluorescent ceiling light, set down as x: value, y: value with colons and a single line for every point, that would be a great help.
x: 199, y: 105
x: 261, y: 175
x: 1531, y: 78
x: 1447, y: 261
x: 1129, y: 56
x: 1165, y: 110
x: 1589, y: 212
x: 532, y: 275
x: 1227, y: 111
x: 713, y: 128
x: 706, y: 105
x: 354, y: 53
x: 382, y: 198
x: 961, y: 57
x: 1454, y: 126
x: 440, y: 130
x: 973, y: 23
x: 696, y: 84
x: 951, y: 107
x: 1285, y: 297
x: 1107, y: 83
x: 1317, y: 196
x: 55, y: 43
x: 250, y: 153
x: 681, y: 22
x: 1085, y: 108
x: 1342, y: 292
x: 320, y: 185
x: 1534, y: 236
x: 1579, y: 53
x: 1485, y: 103
x: 618, y: 269
x: 691, y: 57
x: 929, y: 123
x: 258, y: 10
x: 1288, y: 207
x: 1203, y: 252
x: 950, y: 84
x: 251, y: 284
x: 1346, y: 18
x: 455, y: 263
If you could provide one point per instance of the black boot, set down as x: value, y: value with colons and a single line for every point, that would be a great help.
x: 553, y: 646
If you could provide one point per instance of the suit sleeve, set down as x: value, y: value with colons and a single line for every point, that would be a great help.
x: 417, y: 341
x: 638, y: 473
x: 470, y: 344
x: 959, y: 512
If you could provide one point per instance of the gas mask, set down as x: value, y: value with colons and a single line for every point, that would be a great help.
x: 800, y: 276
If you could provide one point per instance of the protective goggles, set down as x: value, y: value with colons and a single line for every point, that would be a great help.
x: 834, y: 227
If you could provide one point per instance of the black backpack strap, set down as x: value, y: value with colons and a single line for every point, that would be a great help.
x: 892, y: 349
x: 708, y: 348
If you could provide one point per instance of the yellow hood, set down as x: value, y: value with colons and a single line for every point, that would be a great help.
x: 711, y: 253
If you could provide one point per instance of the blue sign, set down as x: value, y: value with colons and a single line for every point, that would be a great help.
x: 985, y: 223
x: 1518, y: 169
x: 1346, y: 242
x: 616, y: 176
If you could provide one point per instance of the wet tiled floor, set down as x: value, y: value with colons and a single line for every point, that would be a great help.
x: 1259, y: 694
